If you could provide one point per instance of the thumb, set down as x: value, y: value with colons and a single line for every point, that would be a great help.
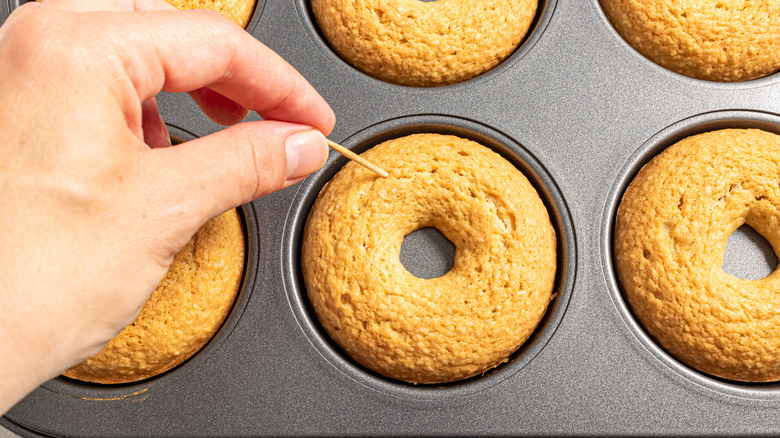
x: 238, y: 164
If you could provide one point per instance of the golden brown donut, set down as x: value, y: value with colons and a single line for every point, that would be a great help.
x: 670, y: 239
x: 238, y: 11
x: 714, y: 40
x: 424, y: 44
x: 182, y: 314
x: 442, y: 329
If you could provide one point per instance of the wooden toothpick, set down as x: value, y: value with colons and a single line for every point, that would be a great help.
x: 358, y: 159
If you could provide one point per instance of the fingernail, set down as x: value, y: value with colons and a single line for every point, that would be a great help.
x: 306, y: 152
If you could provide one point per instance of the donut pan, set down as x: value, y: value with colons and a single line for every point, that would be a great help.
x: 579, y: 112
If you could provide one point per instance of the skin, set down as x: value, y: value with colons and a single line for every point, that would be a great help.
x: 95, y: 202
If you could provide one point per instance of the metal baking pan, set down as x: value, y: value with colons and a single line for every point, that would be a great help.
x: 579, y: 111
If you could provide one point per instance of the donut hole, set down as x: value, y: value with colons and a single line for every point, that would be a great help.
x: 749, y: 255
x: 426, y: 253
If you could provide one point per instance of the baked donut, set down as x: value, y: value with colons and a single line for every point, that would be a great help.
x: 429, y: 330
x: 238, y: 11
x: 723, y: 40
x: 182, y: 314
x: 424, y: 44
x: 670, y: 239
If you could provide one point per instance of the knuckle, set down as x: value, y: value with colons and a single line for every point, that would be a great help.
x: 92, y: 182
x: 267, y: 163
x: 34, y: 32
x: 54, y: 41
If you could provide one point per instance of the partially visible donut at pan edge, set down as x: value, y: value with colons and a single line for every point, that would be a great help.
x: 424, y: 44
x: 724, y: 41
x: 183, y: 313
x: 671, y: 231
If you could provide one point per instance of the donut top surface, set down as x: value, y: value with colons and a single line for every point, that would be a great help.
x: 715, y: 40
x: 182, y: 314
x: 238, y: 11
x: 442, y: 329
x: 670, y: 240
x: 424, y: 44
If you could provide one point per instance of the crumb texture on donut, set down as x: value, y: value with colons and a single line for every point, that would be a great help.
x: 238, y: 11
x: 715, y: 40
x: 182, y: 314
x: 416, y: 43
x: 430, y: 330
x: 670, y: 240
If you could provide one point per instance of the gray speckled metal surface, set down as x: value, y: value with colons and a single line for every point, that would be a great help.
x: 578, y: 110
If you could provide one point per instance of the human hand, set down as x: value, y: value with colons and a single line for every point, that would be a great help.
x: 94, y: 206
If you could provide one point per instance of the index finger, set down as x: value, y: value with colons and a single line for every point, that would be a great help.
x: 107, y: 5
x: 186, y: 50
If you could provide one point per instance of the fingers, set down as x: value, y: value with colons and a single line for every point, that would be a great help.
x: 108, y: 5
x: 219, y: 108
x: 155, y: 133
x: 180, y: 51
x: 240, y: 163
x: 230, y: 72
x: 190, y: 50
